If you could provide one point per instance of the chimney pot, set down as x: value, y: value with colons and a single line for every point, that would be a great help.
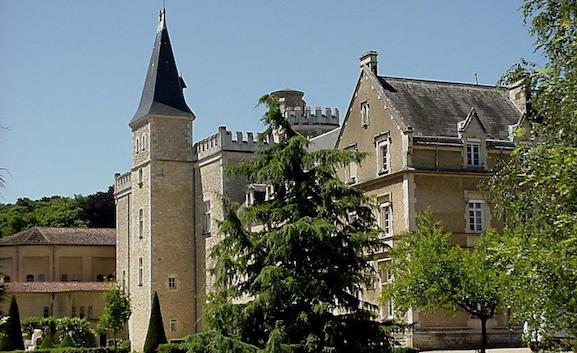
x: 369, y: 59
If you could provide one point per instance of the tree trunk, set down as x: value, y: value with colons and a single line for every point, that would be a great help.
x: 483, y: 334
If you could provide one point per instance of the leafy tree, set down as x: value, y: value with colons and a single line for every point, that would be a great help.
x: 116, y: 312
x: 99, y: 209
x: 95, y: 210
x: 12, y: 330
x: 536, y: 192
x: 432, y: 273
x: 78, y: 329
x: 155, y: 335
x: 290, y: 284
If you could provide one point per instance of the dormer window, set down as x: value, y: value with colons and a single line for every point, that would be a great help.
x: 365, y: 113
x: 473, y: 154
x: 257, y: 193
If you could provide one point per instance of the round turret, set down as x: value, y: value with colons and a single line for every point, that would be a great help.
x: 303, y: 120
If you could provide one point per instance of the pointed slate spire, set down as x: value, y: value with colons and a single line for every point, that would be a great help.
x: 162, y: 93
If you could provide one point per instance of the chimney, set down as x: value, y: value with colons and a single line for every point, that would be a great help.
x: 369, y: 59
x: 519, y: 94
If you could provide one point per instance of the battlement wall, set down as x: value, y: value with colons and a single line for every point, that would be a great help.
x: 122, y: 182
x: 299, y: 116
x: 225, y: 140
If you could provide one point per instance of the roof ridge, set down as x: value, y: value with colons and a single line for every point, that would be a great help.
x: 473, y: 85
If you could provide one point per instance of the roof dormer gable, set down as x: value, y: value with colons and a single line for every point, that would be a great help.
x: 472, y: 126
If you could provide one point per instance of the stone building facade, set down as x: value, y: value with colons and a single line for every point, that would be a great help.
x: 58, y: 271
x: 168, y: 203
x: 429, y: 145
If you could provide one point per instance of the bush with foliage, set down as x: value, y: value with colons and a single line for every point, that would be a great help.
x: 172, y: 348
x: 46, y: 343
x: 47, y: 325
x: 78, y: 329
x: 12, y: 330
x: 66, y: 342
x: 77, y: 350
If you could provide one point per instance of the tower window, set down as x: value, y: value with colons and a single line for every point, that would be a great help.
x: 140, y: 271
x: 172, y: 282
x: 140, y: 222
x: 207, y: 218
x: 140, y: 177
x: 473, y: 154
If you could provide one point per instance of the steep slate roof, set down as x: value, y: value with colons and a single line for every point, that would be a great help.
x: 62, y: 236
x: 434, y: 108
x: 327, y: 140
x: 55, y: 287
x: 162, y: 93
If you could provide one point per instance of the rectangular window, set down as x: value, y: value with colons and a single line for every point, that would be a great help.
x: 90, y: 312
x: 46, y: 312
x: 140, y: 222
x: 207, y: 219
x: 173, y: 325
x: 473, y: 154
x: 140, y: 271
x: 64, y: 277
x: 476, y: 216
x: 73, y: 311
x: 172, y: 282
x: 365, y: 113
x: 386, y: 219
x: 82, y: 312
x: 383, y: 157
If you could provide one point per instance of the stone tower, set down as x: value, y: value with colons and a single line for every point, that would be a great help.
x: 303, y: 120
x: 155, y: 230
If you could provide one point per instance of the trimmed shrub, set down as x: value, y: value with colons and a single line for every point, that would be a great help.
x: 404, y: 350
x: 155, y: 335
x: 66, y: 342
x: 46, y: 343
x: 172, y: 348
x: 12, y: 329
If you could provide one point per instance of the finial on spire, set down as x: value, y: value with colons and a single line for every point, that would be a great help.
x: 161, y: 20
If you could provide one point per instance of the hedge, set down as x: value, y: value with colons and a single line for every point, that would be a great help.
x: 172, y: 348
x: 78, y: 350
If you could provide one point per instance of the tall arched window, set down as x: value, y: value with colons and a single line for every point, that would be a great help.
x: 140, y: 271
x: 140, y: 222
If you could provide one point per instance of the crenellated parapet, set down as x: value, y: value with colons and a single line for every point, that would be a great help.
x: 225, y: 140
x: 122, y: 182
x: 300, y: 116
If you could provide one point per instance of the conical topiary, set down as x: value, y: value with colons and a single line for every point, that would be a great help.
x: 12, y: 331
x: 66, y: 342
x: 46, y: 343
x: 155, y: 335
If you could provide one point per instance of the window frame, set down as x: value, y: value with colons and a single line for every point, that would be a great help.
x: 386, y: 219
x: 140, y: 223
x: 172, y: 285
x: 471, y: 154
x: 140, y: 272
x: 207, y: 218
x: 472, y: 215
x: 383, y: 159
x: 365, y: 110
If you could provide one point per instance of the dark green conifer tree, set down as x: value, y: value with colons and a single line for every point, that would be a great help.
x: 291, y: 283
x: 12, y: 330
x: 46, y: 343
x: 155, y: 335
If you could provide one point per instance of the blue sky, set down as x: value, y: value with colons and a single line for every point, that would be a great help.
x: 72, y: 71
